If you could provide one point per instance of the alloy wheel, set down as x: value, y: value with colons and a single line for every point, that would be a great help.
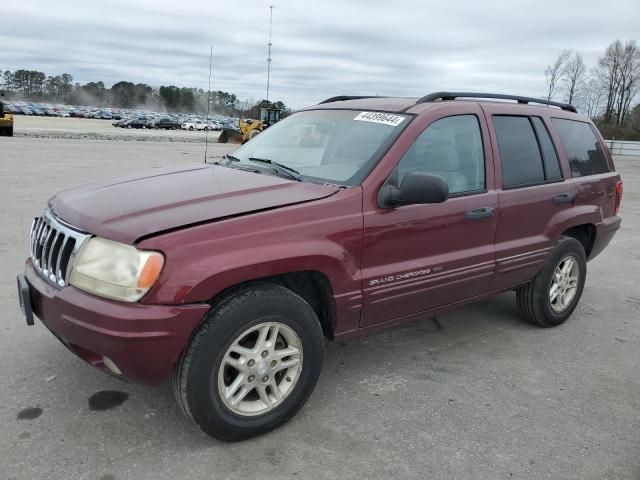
x: 564, y: 283
x: 260, y: 369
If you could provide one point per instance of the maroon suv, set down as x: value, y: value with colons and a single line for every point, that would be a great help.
x: 351, y: 215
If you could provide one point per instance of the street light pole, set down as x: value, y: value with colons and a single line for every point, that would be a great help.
x: 269, y: 50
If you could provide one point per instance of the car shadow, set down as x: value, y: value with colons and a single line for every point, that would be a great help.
x: 435, y: 347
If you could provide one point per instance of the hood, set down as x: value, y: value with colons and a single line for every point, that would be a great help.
x: 136, y: 206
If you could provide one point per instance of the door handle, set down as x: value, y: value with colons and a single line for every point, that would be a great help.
x: 563, y: 198
x: 479, y: 213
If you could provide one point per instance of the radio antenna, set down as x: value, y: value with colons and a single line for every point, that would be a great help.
x: 269, y: 49
x: 206, y: 129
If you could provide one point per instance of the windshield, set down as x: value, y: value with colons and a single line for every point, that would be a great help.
x: 332, y: 146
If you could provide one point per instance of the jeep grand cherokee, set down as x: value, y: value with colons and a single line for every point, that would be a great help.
x: 349, y: 216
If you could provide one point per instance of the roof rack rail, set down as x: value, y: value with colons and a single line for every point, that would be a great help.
x: 453, y: 95
x: 341, y: 98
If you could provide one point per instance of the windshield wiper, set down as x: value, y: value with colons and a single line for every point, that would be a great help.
x: 279, y: 168
x: 230, y: 158
x: 231, y: 161
x: 226, y: 159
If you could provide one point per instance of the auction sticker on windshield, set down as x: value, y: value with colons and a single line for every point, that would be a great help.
x: 377, y: 117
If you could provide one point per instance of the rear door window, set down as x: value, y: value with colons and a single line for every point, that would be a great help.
x: 519, y: 152
x: 584, y: 151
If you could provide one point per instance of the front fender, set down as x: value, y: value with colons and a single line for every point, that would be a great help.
x: 221, y: 270
x: 201, y: 261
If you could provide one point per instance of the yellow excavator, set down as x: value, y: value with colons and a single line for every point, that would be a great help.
x: 247, y: 128
x: 6, y: 119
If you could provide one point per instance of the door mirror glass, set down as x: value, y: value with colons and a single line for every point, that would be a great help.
x: 416, y: 188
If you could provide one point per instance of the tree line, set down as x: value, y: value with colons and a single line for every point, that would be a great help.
x: 35, y: 86
x: 605, y: 92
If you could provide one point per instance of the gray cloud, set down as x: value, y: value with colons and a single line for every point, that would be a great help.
x: 320, y: 49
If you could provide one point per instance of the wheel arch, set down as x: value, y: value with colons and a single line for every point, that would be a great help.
x: 585, y: 233
x: 579, y: 222
x: 312, y: 285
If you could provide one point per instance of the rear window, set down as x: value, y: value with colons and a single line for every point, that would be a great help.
x: 519, y: 153
x: 584, y: 151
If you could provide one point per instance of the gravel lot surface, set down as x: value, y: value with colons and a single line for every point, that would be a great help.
x: 88, y: 128
x: 475, y: 394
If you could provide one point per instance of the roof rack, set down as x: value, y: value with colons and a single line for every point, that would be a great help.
x: 341, y: 98
x: 453, y: 95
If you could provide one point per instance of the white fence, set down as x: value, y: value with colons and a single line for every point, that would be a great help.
x: 620, y: 148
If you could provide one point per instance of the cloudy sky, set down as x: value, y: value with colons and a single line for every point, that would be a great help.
x: 320, y: 48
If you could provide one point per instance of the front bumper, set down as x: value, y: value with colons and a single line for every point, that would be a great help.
x: 143, y: 341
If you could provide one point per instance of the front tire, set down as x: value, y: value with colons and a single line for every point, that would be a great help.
x: 550, y: 298
x: 252, y: 364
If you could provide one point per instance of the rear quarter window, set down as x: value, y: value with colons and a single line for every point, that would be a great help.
x: 584, y: 151
x: 549, y: 157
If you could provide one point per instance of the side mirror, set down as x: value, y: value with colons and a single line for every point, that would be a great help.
x: 416, y: 188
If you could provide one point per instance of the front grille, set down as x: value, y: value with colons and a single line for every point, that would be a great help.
x: 53, y: 246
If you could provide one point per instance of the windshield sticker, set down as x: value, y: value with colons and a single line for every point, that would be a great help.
x: 377, y: 117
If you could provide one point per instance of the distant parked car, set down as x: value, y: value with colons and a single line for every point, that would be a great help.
x: 166, y: 123
x: 213, y: 125
x: 138, y: 122
x: 194, y: 125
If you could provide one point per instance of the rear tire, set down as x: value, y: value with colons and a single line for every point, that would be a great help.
x: 550, y: 298
x: 270, y: 391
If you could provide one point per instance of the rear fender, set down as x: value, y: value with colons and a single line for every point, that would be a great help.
x: 571, y: 217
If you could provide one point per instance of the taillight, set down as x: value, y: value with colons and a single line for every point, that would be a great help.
x: 618, y: 197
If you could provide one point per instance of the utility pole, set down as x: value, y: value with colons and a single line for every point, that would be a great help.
x: 269, y: 50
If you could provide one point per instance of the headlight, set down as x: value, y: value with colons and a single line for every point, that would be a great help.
x: 115, y: 270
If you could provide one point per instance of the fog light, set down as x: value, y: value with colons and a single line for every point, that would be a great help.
x: 110, y: 365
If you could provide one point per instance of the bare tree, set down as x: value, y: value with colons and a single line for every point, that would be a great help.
x: 629, y: 78
x: 593, y: 94
x: 244, y: 106
x: 635, y: 118
x: 573, y: 75
x: 554, y: 72
x: 609, y: 71
x: 619, y: 71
